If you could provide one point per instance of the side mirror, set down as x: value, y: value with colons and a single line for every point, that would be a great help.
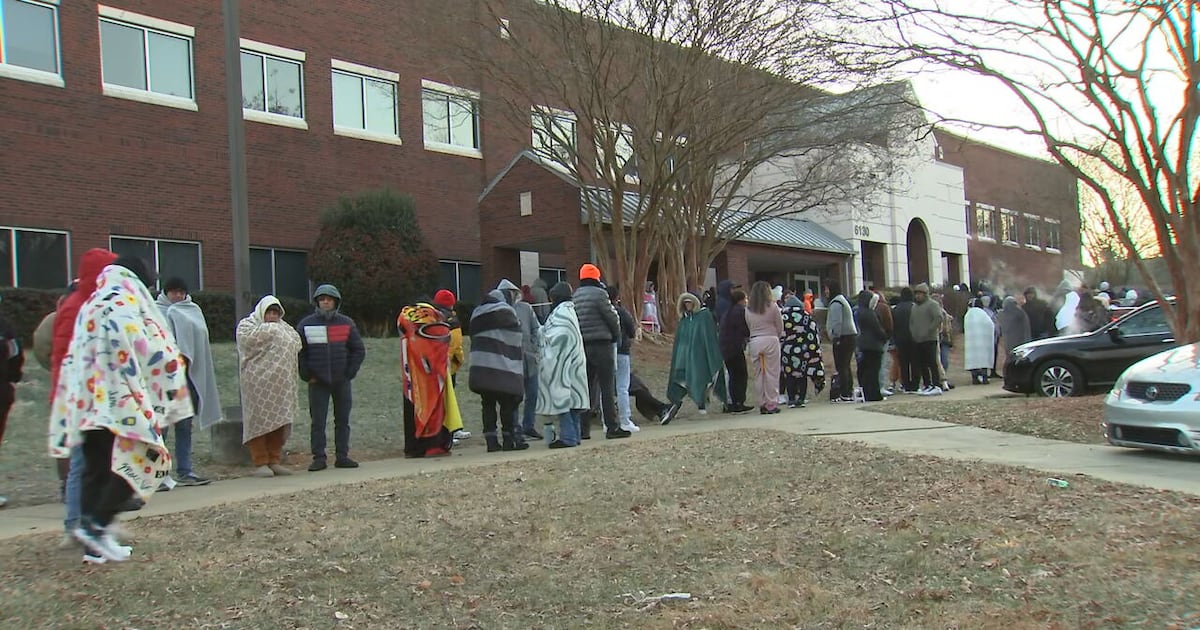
x: 1114, y: 333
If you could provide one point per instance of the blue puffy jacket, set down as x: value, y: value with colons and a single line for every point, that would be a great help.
x: 331, y: 349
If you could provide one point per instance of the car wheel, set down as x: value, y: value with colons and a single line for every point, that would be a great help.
x: 1058, y: 379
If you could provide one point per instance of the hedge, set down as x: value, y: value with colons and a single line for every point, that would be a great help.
x: 25, y: 309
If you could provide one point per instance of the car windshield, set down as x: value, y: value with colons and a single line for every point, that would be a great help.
x: 1150, y: 320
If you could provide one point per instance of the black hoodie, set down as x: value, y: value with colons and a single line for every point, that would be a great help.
x: 902, y: 316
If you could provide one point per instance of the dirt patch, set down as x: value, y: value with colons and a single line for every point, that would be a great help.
x: 1071, y: 419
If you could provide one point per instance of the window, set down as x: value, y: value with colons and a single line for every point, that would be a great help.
x: 552, y: 276
x: 34, y: 259
x: 1033, y: 232
x: 1008, y: 227
x: 279, y: 272
x: 620, y: 138
x: 29, y: 41
x: 364, y: 102
x: 463, y: 278
x: 146, y: 59
x: 168, y: 259
x: 554, y: 135
x: 1152, y: 321
x: 1052, y: 235
x: 985, y: 221
x: 273, y: 84
x: 451, y: 118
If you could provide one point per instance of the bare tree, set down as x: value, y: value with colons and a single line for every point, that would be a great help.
x: 664, y: 111
x: 1111, y: 91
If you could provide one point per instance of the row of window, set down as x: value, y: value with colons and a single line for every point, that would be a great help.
x: 1009, y: 227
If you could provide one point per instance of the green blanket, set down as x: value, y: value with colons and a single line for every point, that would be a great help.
x: 696, y: 360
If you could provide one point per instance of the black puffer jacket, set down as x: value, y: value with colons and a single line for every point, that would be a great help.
x: 332, y: 350
x: 902, y: 317
x: 598, y: 321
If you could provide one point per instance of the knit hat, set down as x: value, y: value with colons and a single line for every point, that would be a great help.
x: 589, y: 272
x: 921, y: 288
x: 444, y: 299
x: 560, y: 292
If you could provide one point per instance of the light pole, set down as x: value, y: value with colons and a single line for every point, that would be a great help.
x: 237, y: 158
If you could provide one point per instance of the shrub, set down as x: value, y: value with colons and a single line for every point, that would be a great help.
x: 370, y: 246
x: 25, y: 308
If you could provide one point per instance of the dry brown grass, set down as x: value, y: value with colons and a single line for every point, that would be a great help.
x: 1070, y: 419
x: 764, y: 529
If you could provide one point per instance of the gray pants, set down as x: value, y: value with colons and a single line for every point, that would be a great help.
x: 318, y: 409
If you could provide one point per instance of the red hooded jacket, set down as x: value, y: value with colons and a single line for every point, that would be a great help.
x: 93, y: 262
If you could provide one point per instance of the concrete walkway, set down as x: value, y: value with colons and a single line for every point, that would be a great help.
x: 849, y: 423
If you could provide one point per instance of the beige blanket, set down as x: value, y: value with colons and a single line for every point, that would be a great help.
x: 267, y: 355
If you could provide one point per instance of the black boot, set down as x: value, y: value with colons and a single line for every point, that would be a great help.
x: 493, y: 443
x: 512, y: 443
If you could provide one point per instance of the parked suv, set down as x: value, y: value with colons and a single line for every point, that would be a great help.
x: 1075, y: 364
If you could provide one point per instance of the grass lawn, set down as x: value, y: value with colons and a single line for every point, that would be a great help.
x: 28, y: 477
x: 762, y: 529
x: 1071, y: 419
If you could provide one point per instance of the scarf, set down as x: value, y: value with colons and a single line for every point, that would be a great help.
x: 122, y: 373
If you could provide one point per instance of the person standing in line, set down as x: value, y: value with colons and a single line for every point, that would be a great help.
x: 925, y: 323
x: 529, y: 338
x: 121, y: 383
x: 977, y: 342
x: 696, y: 366
x: 945, y: 344
x: 1041, y: 320
x: 430, y: 407
x: 601, y: 328
x: 187, y: 323
x: 906, y: 350
x: 840, y: 328
x: 445, y: 301
x: 12, y: 360
x: 624, y: 346
x: 732, y: 338
x: 871, y: 342
x: 766, y: 328
x: 1014, y: 327
x: 331, y: 354
x: 497, y: 371
x: 562, y: 376
x: 801, y: 352
x: 883, y: 312
x: 268, y: 349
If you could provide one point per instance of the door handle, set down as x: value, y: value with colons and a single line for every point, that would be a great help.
x: 1168, y: 341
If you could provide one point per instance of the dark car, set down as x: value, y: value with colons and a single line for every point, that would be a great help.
x: 1075, y: 364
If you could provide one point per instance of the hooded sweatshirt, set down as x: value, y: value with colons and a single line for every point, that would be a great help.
x: 93, y: 262
x: 1014, y: 325
x: 497, y: 351
x: 926, y: 319
x: 871, y: 336
x: 724, y: 299
x: 902, y: 318
x: 186, y: 321
x: 332, y: 351
x: 529, y: 323
x: 839, y: 321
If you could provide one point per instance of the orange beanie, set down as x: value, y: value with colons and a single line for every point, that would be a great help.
x: 589, y: 272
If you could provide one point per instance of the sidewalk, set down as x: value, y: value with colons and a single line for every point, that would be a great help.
x: 849, y: 423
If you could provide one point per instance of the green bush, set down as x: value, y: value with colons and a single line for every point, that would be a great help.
x: 25, y: 308
x: 370, y: 247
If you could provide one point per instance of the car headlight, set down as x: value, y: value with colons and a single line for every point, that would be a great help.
x: 1021, y: 352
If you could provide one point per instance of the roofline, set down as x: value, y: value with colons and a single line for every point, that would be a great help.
x: 527, y: 154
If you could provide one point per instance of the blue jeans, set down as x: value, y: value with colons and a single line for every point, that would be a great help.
x: 945, y: 356
x: 319, y: 395
x: 74, y: 489
x: 624, y: 413
x: 183, y: 446
x: 568, y: 427
x: 529, y: 420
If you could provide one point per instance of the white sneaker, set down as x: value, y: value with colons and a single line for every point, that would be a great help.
x: 102, y: 546
x: 461, y: 434
x: 263, y: 471
x: 704, y: 412
x: 887, y: 392
x: 934, y: 391
x: 167, y: 484
x: 783, y: 399
x: 628, y: 425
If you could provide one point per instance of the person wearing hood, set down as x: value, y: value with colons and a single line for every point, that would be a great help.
x: 1041, y: 320
x: 497, y: 371
x: 841, y: 330
x: 989, y: 307
x: 541, y: 299
x: 1130, y: 299
x: 331, y: 353
x: 601, y: 328
x: 696, y: 366
x: 732, y: 337
x: 725, y: 299
x: 766, y: 328
x: 563, y: 378
x: 431, y: 415
x: 871, y: 342
x: 925, y: 324
x: 800, y: 350
x: 122, y: 382
x: 979, y: 333
x: 905, y: 371
x: 12, y: 362
x: 1014, y: 326
x: 267, y: 354
x: 1066, y: 320
x: 529, y: 339
x: 1093, y: 312
x: 187, y: 323
x: 445, y: 300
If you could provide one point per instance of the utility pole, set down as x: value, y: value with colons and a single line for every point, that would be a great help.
x: 237, y: 158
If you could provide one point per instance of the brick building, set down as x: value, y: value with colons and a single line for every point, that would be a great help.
x: 1022, y: 215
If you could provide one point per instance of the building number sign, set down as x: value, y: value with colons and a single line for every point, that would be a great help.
x: 862, y: 231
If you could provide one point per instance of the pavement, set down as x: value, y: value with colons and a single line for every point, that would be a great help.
x: 820, y: 420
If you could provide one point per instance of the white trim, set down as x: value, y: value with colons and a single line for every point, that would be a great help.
x: 274, y: 119
x: 453, y: 149
x: 366, y: 71
x: 145, y: 96
x: 1036, y: 248
x: 546, y: 110
x: 426, y: 84
x: 271, y: 49
x: 361, y: 134
x: 31, y: 75
x: 985, y: 239
x: 167, y: 26
x: 1051, y: 250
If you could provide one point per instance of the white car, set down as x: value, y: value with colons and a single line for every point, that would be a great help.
x: 1155, y: 404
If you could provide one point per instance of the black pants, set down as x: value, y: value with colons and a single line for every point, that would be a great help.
x: 602, y: 375
x: 927, y: 363
x: 647, y: 405
x: 103, y: 492
x: 795, y: 387
x: 738, y: 378
x: 906, y: 357
x: 7, y: 396
x: 843, y: 353
x: 507, y: 405
x: 868, y: 374
x: 318, y: 409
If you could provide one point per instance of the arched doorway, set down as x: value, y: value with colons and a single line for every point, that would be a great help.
x: 918, y: 252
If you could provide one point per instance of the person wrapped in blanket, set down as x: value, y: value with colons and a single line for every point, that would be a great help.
x: 431, y: 413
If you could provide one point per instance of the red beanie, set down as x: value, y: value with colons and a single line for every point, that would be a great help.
x: 444, y: 298
x: 589, y: 272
